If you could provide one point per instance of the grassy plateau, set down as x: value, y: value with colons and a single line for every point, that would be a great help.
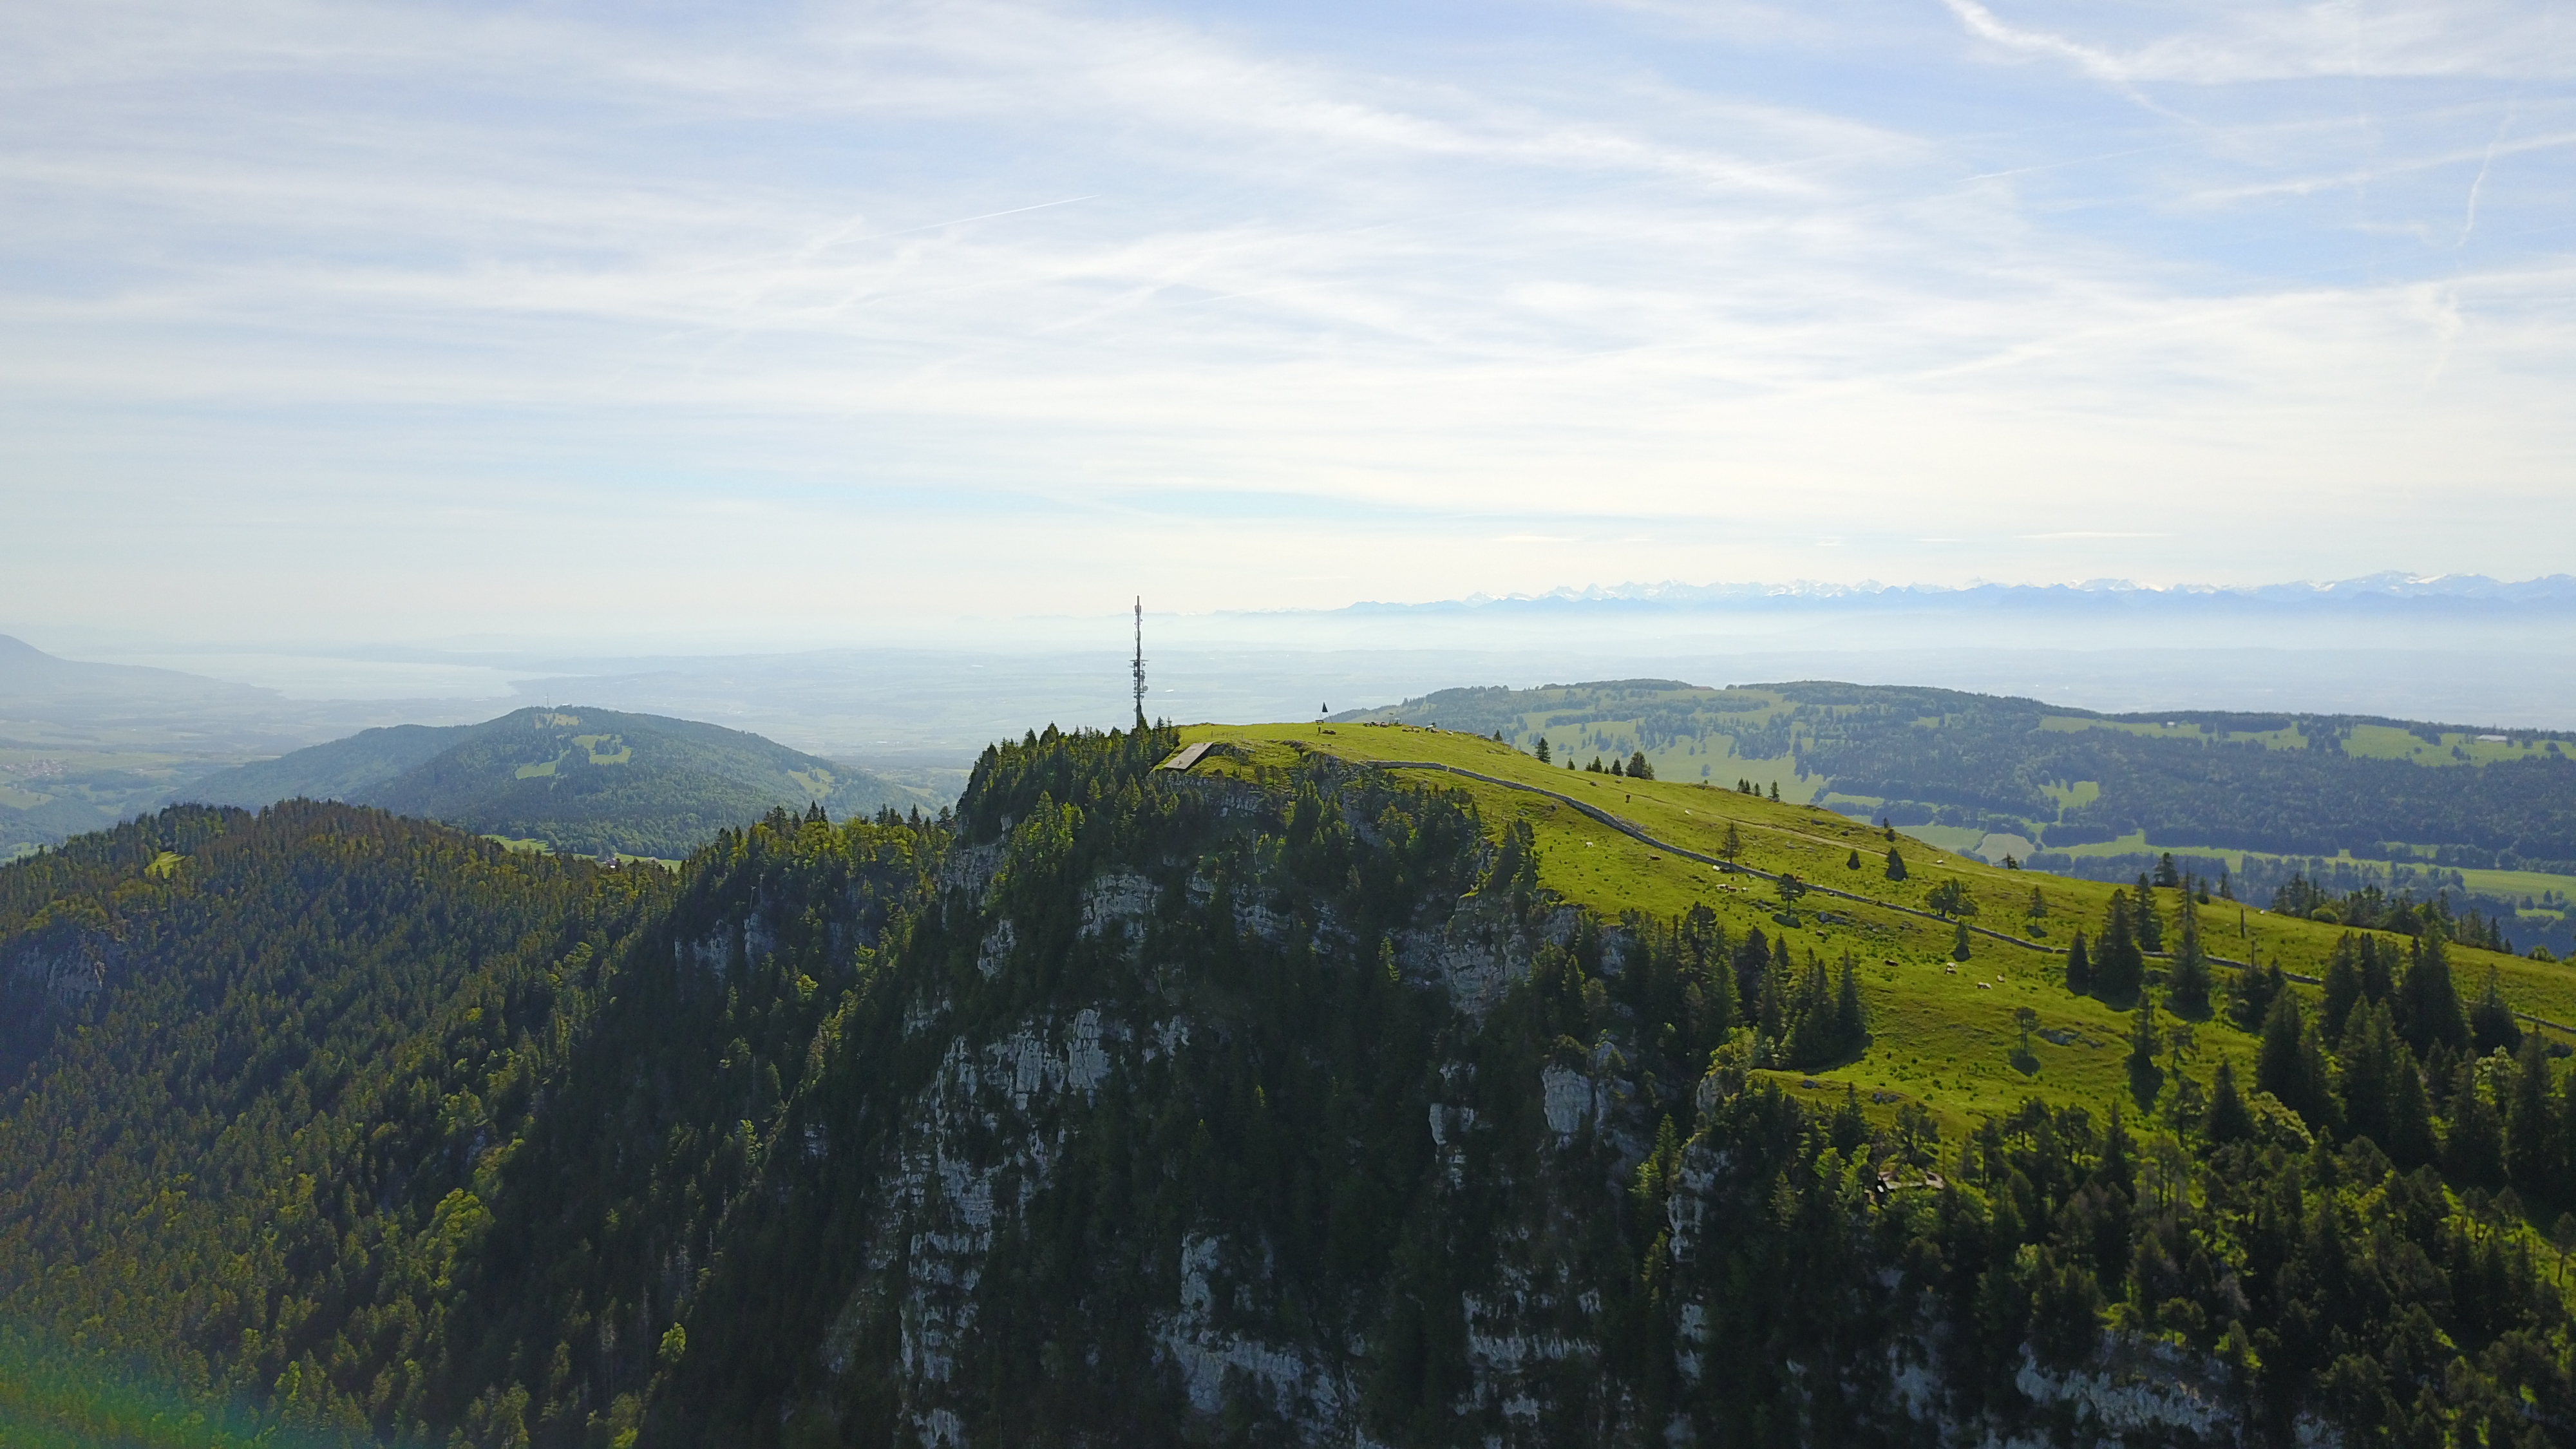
x: 1943, y: 1032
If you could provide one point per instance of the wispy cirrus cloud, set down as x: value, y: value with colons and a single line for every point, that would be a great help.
x: 450, y: 295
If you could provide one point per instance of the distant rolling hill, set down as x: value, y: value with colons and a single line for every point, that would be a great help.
x: 580, y: 780
x: 29, y: 675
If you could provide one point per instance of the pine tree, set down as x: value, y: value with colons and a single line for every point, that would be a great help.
x: 2410, y: 1114
x: 2166, y: 875
x: 2187, y: 981
x: 2113, y: 1171
x: 1752, y: 964
x: 2343, y: 985
x: 2372, y: 1059
x: 2079, y: 967
x: 1733, y: 845
x: 2491, y: 1022
x: 1771, y: 1009
x: 1615, y: 767
x: 2280, y: 1063
x: 2144, y: 1040
x: 1775, y: 791
x: 2119, y: 968
x: 2428, y: 1004
x: 1638, y: 769
x: 2531, y: 1131
x: 1854, y: 862
x: 2149, y: 925
x: 2228, y: 1120
x: 1543, y: 757
x: 1851, y: 1018
x: 2473, y: 1148
x: 1895, y: 864
x: 2250, y: 995
x: 1959, y: 942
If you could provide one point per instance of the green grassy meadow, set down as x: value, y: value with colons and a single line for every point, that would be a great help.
x: 1943, y: 1033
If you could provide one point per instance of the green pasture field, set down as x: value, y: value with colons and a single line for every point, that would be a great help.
x: 1943, y: 1033
x: 2389, y: 743
x: 539, y: 847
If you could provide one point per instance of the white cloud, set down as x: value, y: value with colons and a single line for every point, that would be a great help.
x: 2218, y: 44
x: 927, y: 291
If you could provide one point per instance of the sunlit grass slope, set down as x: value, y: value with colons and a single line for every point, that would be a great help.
x: 1943, y: 1032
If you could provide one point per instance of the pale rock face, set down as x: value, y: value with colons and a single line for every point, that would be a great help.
x: 711, y: 953
x: 971, y: 868
x: 995, y: 953
x: 1305, y: 1394
x: 1571, y: 1100
x: 69, y: 975
x: 1693, y: 1343
x: 1515, y: 1341
x: 2146, y: 1393
x: 1120, y: 898
x: 1253, y: 917
x: 984, y: 1138
x: 1478, y: 955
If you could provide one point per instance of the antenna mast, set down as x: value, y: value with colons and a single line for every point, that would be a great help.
x: 1140, y: 661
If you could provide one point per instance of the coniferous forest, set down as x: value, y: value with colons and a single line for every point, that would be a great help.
x: 1275, y: 1104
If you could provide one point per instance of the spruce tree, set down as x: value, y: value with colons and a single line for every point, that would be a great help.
x: 2410, y: 1141
x: 1895, y: 864
x: 2119, y: 968
x: 2079, y: 967
x: 1752, y: 964
x: 1542, y: 751
x: 2473, y: 1148
x: 2144, y: 1040
x: 2113, y: 1171
x: 2372, y: 1058
x: 2531, y: 1130
x: 1638, y: 769
x: 2491, y: 1022
x: 1854, y: 862
x: 1775, y: 790
x: 2187, y: 982
x: 2343, y: 985
x: 1771, y: 1009
x: 2280, y: 1067
x: 2428, y: 1004
x: 2250, y: 996
x: 1851, y: 1018
x: 2228, y: 1120
x: 1959, y: 942
x: 2149, y: 926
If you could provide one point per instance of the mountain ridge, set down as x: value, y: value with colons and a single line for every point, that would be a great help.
x: 1292, y: 1098
x: 579, y: 779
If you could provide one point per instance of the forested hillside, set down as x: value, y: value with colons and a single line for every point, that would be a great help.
x: 580, y: 781
x: 1292, y: 1098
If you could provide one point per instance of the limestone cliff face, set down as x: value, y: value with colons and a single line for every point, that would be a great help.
x: 1247, y: 1123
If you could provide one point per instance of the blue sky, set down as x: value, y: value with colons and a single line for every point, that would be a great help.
x: 768, y: 325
